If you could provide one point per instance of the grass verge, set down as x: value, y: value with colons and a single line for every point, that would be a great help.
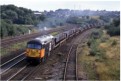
x: 100, y: 59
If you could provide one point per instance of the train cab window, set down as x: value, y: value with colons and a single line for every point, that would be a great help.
x: 34, y: 46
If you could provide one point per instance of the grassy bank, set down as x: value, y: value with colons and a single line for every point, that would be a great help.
x: 13, y: 48
x: 54, y: 33
x: 99, y: 58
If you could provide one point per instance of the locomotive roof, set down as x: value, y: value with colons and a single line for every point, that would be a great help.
x: 43, y: 39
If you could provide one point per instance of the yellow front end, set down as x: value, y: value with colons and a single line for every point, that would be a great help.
x: 35, y: 53
x: 32, y: 52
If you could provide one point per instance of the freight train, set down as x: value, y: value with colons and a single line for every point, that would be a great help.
x: 38, y: 49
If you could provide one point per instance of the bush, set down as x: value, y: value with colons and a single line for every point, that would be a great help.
x: 107, y: 27
x: 89, y: 43
x: 114, y: 31
x: 20, y: 15
x: 96, y: 34
x: 114, y: 28
x: 114, y: 43
x: 8, y: 29
x: 93, y: 52
x: 104, y: 39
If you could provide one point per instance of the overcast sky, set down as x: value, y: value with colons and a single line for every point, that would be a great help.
x: 41, y: 5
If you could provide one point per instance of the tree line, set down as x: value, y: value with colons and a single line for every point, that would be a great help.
x: 19, y: 15
x: 113, y: 29
x: 13, y: 18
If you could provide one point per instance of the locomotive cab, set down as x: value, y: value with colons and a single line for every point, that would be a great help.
x: 39, y: 49
x: 34, y: 51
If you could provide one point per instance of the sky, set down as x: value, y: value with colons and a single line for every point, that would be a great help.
x: 41, y: 5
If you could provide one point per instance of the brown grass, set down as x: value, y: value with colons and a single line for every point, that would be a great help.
x: 96, y: 67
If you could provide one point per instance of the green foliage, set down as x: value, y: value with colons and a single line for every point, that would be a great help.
x: 116, y: 22
x: 19, y: 15
x: 113, y: 31
x: 11, y: 15
x: 93, y: 52
x: 104, y: 39
x: 74, y: 20
x: 93, y: 46
x: 93, y: 43
x: 105, y: 18
x: 89, y: 43
x: 82, y: 21
x: 114, y: 28
x: 96, y: 34
x: 8, y: 29
x: 114, y: 42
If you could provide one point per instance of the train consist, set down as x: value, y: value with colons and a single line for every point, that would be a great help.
x: 39, y: 49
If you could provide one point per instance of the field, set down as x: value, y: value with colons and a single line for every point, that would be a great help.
x: 101, y: 62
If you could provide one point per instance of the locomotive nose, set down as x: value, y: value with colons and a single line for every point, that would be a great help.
x: 33, y: 50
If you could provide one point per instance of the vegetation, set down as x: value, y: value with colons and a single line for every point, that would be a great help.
x: 82, y: 20
x: 14, y: 20
x: 14, y: 48
x: 12, y: 15
x: 8, y: 29
x: 113, y: 29
x: 54, y: 33
x: 93, y: 43
x: 19, y: 15
x: 101, y: 59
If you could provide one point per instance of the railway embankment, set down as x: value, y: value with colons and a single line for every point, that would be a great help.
x: 99, y: 57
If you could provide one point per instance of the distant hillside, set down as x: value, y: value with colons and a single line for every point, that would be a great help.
x: 15, y: 20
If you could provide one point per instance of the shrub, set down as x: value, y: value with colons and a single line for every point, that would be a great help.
x: 89, y: 43
x: 114, y: 31
x: 96, y: 34
x: 93, y: 52
x: 114, y: 43
x: 114, y: 28
x: 103, y: 39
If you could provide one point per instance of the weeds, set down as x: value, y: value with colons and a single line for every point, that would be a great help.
x: 13, y: 48
x: 101, y: 57
x: 114, y: 43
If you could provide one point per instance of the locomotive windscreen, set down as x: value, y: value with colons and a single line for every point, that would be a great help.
x: 34, y: 46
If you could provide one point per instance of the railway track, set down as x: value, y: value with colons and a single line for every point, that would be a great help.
x: 5, y: 43
x: 14, y: 67
x: 69, y: 72
x: 10, y: 41
x: 26, y: 70
x: 11, y: 63
x: 71, y: 67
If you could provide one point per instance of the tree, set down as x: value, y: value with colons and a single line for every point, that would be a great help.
x: 3, y: 28
x: 20, y: 15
